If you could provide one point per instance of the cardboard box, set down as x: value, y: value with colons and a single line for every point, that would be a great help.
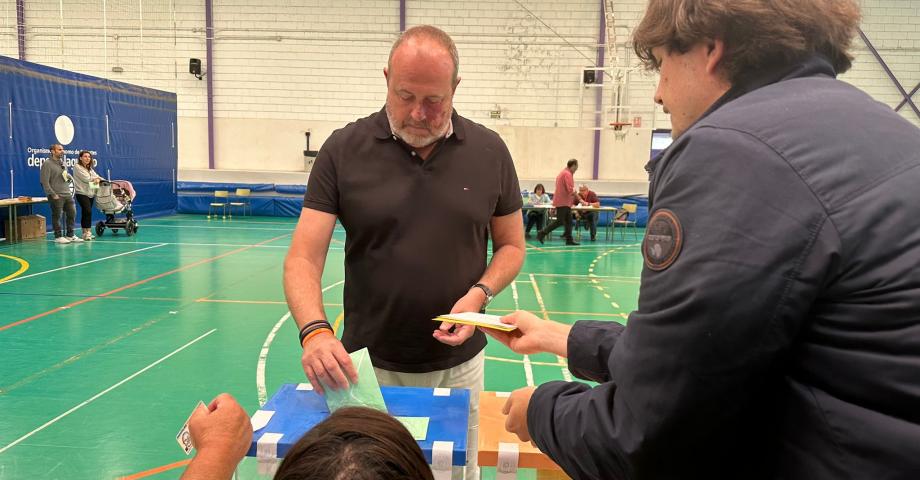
x: 31, y: 227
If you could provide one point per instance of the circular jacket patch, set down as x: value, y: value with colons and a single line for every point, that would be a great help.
x: 663, y: 239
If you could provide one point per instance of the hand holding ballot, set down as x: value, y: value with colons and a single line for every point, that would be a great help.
x: 327, y: 364
x: 452, y: 333
x: 531, y: 334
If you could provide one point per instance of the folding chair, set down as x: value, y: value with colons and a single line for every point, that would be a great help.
x: 626, y: 217
x: 222, y: 205
x: 242, y: 201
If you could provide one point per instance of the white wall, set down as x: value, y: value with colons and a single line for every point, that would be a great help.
x: 284, y: 66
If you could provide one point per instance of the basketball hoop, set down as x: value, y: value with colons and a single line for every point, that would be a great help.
x: 620, y: 128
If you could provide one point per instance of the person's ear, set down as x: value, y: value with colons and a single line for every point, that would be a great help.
x: 715, y: 50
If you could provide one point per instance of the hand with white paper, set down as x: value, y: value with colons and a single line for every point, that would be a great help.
x: 471, y: 302
x: 532, y: 335
x: 221, y: 434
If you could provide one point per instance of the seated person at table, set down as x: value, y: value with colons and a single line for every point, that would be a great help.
x: 535, y: 217
x: 354, y: 443
x: 587, y: 198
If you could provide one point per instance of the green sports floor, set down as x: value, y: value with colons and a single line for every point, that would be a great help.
x: 107, y: 346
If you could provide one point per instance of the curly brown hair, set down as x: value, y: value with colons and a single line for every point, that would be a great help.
x: 756, y: 33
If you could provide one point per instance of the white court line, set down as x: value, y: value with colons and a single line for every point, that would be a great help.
x: 528, y: 368
x: 147, y: 225
x: 512, y: 360
x: 263, y: 354
x: 575, y: 276
x: 84, y: 263
x: 536, y: 290
x: 196, y: 220
x: 107, y: 390
x: 181, y: 244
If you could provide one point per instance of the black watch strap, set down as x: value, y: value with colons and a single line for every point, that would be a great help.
x: 487, y: 291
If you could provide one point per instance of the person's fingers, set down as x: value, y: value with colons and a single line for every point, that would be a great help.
x: 524, y: 436
x: 509, y: 319
x: 200, y: 413
x: 335, y: 372
x: 445, y: 327
x: 452, y: 339
x: 345, y: 362
x: 314, y: 379
x: 222, y: 400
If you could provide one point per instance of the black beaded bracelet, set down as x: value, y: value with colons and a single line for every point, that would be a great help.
x: 312, y: 327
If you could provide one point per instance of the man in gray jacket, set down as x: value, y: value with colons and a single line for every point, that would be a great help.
x: 56, y: 182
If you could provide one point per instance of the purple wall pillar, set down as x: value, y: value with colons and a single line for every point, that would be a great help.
x: 209, y: 32
x: 599, y: 91
x: 21, y: 27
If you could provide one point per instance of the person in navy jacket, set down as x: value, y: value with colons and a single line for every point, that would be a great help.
x: 777, y: 334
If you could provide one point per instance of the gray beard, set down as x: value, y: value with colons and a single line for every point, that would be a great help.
x: 415, y: 141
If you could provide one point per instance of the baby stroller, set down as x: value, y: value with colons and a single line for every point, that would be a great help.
x: 112, y: 198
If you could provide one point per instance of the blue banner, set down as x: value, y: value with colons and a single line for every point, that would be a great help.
x: 130, y: 130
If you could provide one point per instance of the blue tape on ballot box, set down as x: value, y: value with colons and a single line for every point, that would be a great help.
x: 297, y: 411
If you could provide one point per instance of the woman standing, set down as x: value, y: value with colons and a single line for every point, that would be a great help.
x: 86, y: 182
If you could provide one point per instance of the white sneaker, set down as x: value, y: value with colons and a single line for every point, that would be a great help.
x: 62, y: 240
x: 76, y: 239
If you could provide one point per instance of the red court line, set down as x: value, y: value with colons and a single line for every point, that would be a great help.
x: 139, y: 282
x: 154, y: 471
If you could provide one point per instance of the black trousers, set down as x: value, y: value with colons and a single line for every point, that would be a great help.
x: 535, y: 217
x: 86, y: 210
x: 590, y: 219
x: 563, y: 217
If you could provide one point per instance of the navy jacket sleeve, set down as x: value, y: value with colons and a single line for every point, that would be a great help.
x: 695, y: 354
x: 589, y: 347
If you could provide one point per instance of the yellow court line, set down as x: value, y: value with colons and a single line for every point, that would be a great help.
x: 338, y: 321
x: 23, y: 266
x: 256, y: 302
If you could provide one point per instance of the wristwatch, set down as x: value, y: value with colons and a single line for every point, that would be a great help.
x: 488, y: 292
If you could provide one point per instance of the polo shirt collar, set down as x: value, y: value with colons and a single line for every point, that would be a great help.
x: 382, y: 126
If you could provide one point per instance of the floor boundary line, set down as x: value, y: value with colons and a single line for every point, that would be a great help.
x: 86, y: 262
x: 107, y: 390
x: 131, y: 285
x: 261, y: 391
x: 536, y: 290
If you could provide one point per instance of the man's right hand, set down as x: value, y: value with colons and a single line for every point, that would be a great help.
x: 532, y: 335
x: 54, y: 196
x: 326, y: 363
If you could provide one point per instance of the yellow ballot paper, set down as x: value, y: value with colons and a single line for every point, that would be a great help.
x: 477, y: 319
x: 365, y: 393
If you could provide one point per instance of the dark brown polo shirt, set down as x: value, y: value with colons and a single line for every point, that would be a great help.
x: 416, y: 233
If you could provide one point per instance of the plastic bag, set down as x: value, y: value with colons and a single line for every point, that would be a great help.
x: 365, y: 393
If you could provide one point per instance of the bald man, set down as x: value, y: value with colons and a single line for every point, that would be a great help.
x: 418, y: 189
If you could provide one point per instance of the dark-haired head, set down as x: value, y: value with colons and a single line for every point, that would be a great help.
x: 356, y: 443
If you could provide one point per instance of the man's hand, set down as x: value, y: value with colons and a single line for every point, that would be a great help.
x: 326, y: 362
x: 221, y: 433
x: 471, y: 302
x: 516, y: 410
x: 54, y: 196
x: 533, y: 335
